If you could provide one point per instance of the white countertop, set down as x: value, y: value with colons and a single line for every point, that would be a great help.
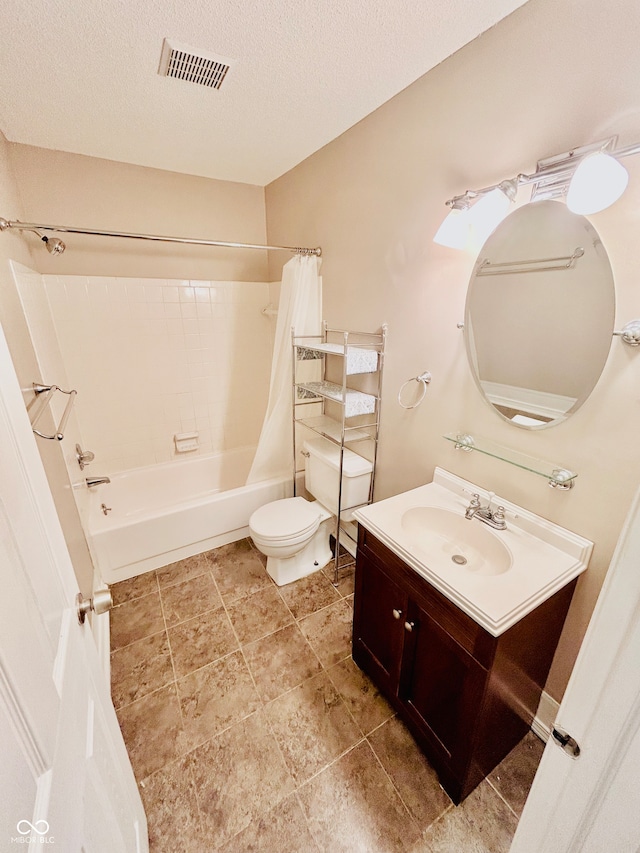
x: 544, y: 557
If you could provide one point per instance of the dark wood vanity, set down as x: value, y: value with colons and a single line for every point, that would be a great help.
x: 467, y: 697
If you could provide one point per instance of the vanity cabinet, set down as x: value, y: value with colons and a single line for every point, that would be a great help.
x: 468, y: 697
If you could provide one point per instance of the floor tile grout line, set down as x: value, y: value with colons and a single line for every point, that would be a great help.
x: 450, y: 808
x: 173, y: 666
x: 139, y: 640
x: 337, y: 587
x: 193, y: 747
x: 144, y: 696
x: 201, y: 613
x: 298, y: 685
x: 393, y: 785
x: 201, y: 819
x: 135, y: 598
x: 331, y: 763
x: 380, y: 725
x: 180, y: 580
x: 269, y: 634
x: 320, y: 609
x: 296, y: 794
x: 179, y: 678
x: 326, y: 670
x: 503, y: 798
x: 280, y: 750
x: 240, y: 646
x: 375, y: 728
x: 296, y: 623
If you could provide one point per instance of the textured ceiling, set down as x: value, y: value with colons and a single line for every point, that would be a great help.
x: 81, y: 75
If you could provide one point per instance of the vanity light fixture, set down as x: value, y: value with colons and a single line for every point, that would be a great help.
x: 455, y: 230
x: 489, y: 211
x: 598, y: 182
x: 589, y: 177
x: 468, y: 227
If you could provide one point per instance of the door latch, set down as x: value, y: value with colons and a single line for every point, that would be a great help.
x: 99, y: 603
x: 564, y: 740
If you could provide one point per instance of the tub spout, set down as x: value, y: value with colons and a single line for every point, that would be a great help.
x: 96, y: 481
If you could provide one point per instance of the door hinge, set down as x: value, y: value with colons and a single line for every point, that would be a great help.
x: 564, y: 740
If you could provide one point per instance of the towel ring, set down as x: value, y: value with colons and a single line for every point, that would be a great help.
x: 425, y: 378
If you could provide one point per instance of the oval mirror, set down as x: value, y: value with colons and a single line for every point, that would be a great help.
x: 539, y: 314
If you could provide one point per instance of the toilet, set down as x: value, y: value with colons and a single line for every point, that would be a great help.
x: 294, y: 533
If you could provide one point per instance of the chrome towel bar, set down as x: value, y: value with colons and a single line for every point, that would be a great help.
x: 567, y: 262
x: 45, y: 393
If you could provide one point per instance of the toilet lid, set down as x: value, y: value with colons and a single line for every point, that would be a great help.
x: 280, y: 519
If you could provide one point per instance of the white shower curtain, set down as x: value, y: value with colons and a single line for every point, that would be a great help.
x: 300, y: 307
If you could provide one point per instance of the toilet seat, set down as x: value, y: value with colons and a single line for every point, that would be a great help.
x: 286, y: 519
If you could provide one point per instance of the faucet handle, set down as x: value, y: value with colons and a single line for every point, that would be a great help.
x: 498, y: 515
x: 475, y: 501
x: 84, y: 457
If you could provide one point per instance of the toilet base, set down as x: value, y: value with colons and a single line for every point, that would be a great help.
x: 313, y: 557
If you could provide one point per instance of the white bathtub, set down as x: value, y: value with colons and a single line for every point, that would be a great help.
x: 164, y: 513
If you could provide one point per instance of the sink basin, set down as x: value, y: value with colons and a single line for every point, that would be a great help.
x: 466, y: 543
x: 495, y: 576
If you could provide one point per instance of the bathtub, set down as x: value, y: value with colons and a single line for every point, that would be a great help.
x: 167, y: 512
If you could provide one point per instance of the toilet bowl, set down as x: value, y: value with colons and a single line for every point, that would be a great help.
x: 293, y: 533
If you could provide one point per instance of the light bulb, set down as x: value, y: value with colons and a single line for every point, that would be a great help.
x: 454, y: 231
x: 599, y: 181
x: 489, y: 211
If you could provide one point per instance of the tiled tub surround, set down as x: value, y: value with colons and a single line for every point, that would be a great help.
x: 152, y: 357
x: 170, y: 511
x: 250, y: 728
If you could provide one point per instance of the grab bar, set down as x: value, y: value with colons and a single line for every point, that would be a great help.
x: 45, y: 393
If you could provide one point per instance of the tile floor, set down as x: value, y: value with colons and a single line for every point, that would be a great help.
x: 250, y: 728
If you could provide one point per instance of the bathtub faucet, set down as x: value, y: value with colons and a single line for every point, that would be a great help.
x: 96, y: 481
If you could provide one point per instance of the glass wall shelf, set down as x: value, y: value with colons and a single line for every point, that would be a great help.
x: 557, y: 476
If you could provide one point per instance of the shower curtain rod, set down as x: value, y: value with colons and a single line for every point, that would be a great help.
x: 57, y: 247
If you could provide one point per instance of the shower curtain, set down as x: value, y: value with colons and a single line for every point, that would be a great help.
x: 300, y: 307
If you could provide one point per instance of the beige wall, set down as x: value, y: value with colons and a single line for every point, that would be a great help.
x: 551, y: 76
x: 71, y: 189
x: 14, y: 324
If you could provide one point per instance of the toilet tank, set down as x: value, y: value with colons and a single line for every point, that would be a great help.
x: 322, y: 474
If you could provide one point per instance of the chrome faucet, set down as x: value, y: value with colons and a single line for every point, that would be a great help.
x: 493, y: 517
x: 96, y: 481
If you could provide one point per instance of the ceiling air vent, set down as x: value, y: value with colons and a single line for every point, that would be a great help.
x: 193, y: 65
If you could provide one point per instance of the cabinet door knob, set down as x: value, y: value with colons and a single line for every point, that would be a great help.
x: 397, y: 614
x: 409, y: 626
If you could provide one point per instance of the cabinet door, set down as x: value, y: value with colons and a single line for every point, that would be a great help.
x: 378, y: 620
x: 441, y: 686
